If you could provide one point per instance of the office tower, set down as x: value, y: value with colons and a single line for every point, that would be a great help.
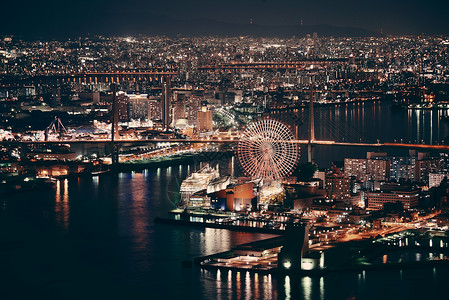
x: 154, y: 109
x: 204, y: 119
x: 122, y: 106
x: 165, y: 102
x: 356, y: 167
x: 378, y: 169
x: 137, y: 107
x: 338, y: 186
x: 436, y: 178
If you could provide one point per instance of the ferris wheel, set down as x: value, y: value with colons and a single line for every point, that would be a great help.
x: 266, y: 150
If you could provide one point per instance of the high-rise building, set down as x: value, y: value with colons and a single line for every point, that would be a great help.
x: 436, y: 178
x: 93, y: 96
x: 194, y: 104
x: 137, y: 107
x: 402, y: 168
x: 378, y: 169
x: 132, y: 106
x: 355, y: 167
x: 165, y: 102
x: 179, y: 110
x: 204, y: 119
x: 56, y: 96
x: 338, y: 186
x: 424, y: 167
x: 154, y: 109
x: 122, y: 106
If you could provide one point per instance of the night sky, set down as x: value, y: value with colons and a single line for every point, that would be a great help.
x: 47, y: 17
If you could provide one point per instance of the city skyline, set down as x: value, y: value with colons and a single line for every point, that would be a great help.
x: 239, y: 150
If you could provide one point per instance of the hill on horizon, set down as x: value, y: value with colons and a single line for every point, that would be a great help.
x: 157, y: 25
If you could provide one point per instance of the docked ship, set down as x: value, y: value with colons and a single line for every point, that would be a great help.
x: 10, y: 183
x: 54, y: 152
x: 197, y: 181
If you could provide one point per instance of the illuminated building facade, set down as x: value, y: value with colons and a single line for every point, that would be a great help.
x: 378, y: 169
x: 138, y: 107
x: 338, y: 186
x: 240, y: 197
x: 122, y: 106
x: 204, y: 119
x: 355, y: 167
x: 435, y: 179
x: 376, y: 200
x: 424, y: 167
x: 154, y: 109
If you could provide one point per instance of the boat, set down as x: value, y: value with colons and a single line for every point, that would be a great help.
x: 197, y: 181
x: 99, y: 169
x: 99, y: 172
x: 22, y: 183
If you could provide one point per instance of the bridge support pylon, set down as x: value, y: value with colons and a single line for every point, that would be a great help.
x: 115, y: 154
x: 311, y: 128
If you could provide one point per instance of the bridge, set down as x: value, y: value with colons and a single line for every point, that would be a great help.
x: 281, y: 65
x: 130, y: 142
x: 165, y: 74
x: 93, y: 77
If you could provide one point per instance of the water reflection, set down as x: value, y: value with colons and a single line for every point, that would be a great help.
x: 370, y: 121
x: 248, y: 288
x: 238, y: 282
x: 103, y: 235
x: 306, y: 283
x: 245, y: 285
x: 287, y: 287
x: 322, y: 287
x: 62, y: 207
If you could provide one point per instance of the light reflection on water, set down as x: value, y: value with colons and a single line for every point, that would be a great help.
x: 287, y: 287
x: 62, y: 207
x: 407, y: 256
x: 368, y: 122
x: 102, y: 232
x: 241, y: 285
x: 398, y: 284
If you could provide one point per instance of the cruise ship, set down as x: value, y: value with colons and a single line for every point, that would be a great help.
x: 197, y: 181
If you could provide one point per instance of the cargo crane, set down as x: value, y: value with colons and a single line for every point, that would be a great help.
x: 55, y: 127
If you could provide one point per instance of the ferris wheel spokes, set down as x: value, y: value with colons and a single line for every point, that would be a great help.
x: 266, y: 150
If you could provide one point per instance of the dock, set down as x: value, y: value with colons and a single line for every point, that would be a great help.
x: 219, y: 226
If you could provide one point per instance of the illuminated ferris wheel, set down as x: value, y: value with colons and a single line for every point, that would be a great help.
x: 266, y: 150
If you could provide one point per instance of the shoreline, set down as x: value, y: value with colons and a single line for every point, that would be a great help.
x: 237, y: 228
x: 171, y: 161
x: 348, y: 266
x: 125, y: 167
x: 305, y: 104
